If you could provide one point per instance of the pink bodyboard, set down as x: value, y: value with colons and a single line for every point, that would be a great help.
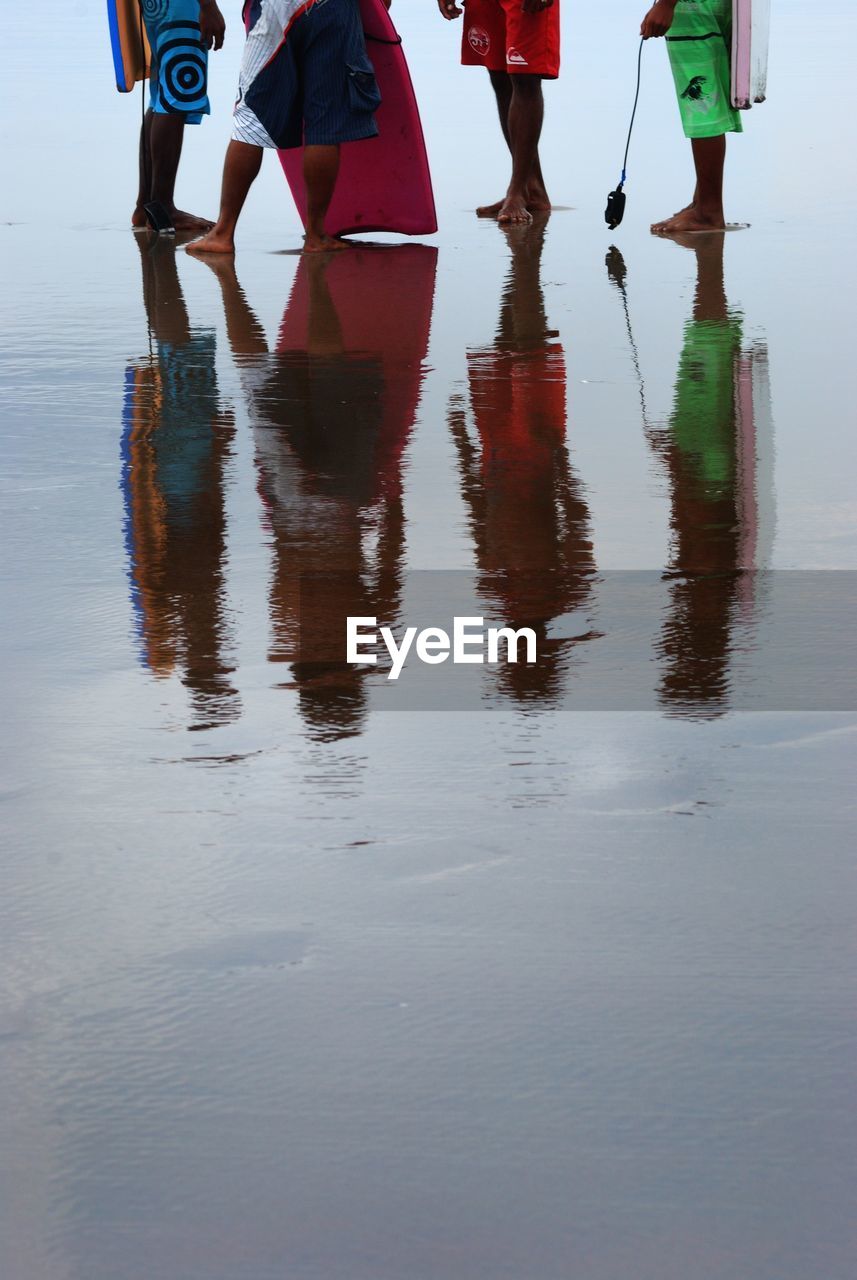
x: 751, y: 21
x: 384, y: 183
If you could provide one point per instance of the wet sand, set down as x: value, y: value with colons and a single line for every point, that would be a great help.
x: 538, y: 973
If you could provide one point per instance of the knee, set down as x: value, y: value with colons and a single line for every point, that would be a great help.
x: 527, y: 88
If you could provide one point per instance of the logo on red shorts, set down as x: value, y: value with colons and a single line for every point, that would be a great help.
x: 516, y: 59
x: 479, y: 41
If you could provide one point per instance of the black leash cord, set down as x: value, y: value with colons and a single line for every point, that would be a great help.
x: 143, y: 143
x: 633, y: 113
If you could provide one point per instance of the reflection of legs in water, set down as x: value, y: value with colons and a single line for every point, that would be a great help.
x: 175, y: 445
x: 316, y: 411
x: 700, y: 441
x: 324, y: 336
x: 162, y: 292
x: 161, y: 138
x: 520, y: 104
x: 527, y: 514
x: 705, y: 212
x: 245, y: 333
x: 700, y: 452
x: 709, y: 301
x: 522, y: 309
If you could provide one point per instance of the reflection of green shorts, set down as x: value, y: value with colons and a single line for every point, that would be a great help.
x: 703, y: 421
x: 700, y: 48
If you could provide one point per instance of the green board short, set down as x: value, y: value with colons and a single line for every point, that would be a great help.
x: 700, y: 48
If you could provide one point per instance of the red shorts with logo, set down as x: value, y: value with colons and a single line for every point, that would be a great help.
x: 500, y: 36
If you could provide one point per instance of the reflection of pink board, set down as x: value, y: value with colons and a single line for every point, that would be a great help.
x: 384, y: 183
x: 751, y: 21
x: 382, y: 300
x: 754, y: 457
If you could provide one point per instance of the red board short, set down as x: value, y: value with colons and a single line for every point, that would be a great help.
x: 500, y: 36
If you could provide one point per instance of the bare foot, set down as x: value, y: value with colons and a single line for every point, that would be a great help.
x: 692, y: 219
x: 537, y: 200
x: 689, y: 208
x: 490, y: 210
x: 181, y: 221
x: 212, y: 243
x: 324, y: 243
x: 514, y: 210
x: 190, y: 222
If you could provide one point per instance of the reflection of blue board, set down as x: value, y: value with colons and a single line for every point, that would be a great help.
x: 131, y: 55
x: 169, y: 449
x: 129, y: 412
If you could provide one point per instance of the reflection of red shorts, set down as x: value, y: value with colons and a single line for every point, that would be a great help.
x: 500, y: 36
x: 518, y: 399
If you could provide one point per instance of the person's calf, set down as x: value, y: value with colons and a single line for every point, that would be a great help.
x: 526, y: 113
x: 321, y: 169
x: 709, y: 156
x: 705, y: 212
x: 166, y: 137
x: 521, y: 108
x: 161, y: 142
x: 240, y: 169
x: 538, y: 200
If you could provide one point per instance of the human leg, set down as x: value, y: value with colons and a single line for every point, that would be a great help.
x: 340, y: 96
x: 537, y: 196
x: 321, y: 168
x: 144, y: 191
x: 242, y: 165
x: 178, y: 96
x: 706, y: 211
x: 501, y: 83
x: 526, y: 113
x: 699, y: 44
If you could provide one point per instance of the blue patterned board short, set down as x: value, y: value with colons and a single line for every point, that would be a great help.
x: 179, y: 80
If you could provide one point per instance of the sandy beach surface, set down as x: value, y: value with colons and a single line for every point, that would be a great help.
x: 542, y: 973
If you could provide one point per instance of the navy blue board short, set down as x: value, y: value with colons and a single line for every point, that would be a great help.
x: 306, y: 78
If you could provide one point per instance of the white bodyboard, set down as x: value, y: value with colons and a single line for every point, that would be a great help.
x: 751, y: 25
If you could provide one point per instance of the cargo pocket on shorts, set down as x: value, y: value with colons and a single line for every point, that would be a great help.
x: 363, y: 91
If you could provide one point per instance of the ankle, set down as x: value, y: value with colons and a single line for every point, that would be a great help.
x: 709, y: 212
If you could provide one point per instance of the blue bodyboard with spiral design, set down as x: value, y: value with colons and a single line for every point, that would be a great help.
x: 131, y: 53
x: 160, y: 39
